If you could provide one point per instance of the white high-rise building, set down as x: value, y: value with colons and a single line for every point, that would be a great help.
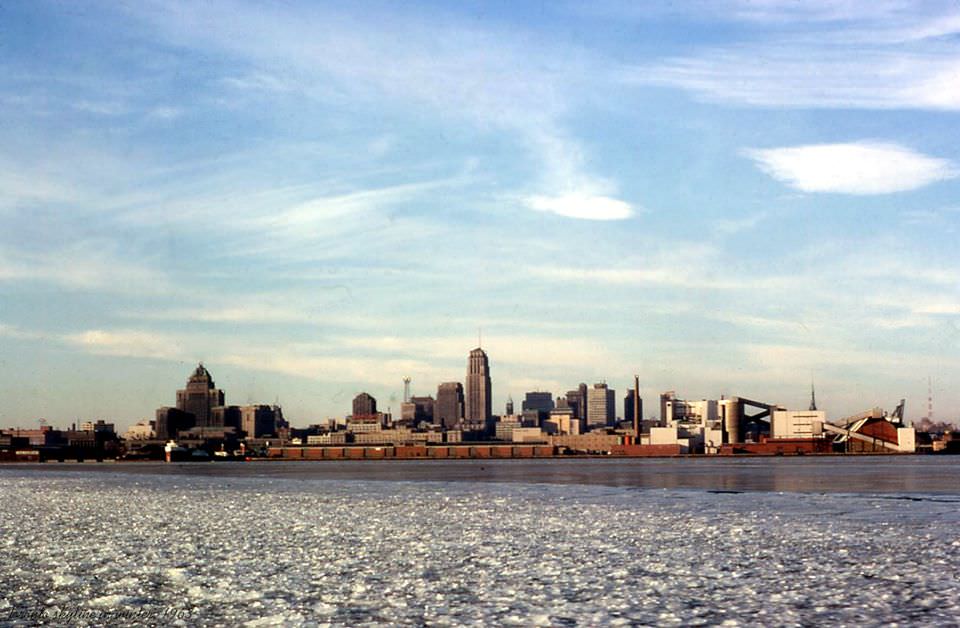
x: 601, y: 406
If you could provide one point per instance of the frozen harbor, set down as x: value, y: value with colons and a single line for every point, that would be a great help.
x: 216, y: 547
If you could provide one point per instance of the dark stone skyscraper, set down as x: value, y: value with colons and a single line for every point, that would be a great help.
x: 479, y: 408
x: 364, y: 405
x: 628, y: 405
x: 448, y: 409
x: 260, y: 420
x: 539, y: 402
x: 169, y: 421
x: 200, y: 397
x: 577, y: 400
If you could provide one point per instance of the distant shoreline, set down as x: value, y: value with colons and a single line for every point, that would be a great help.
x: 585, y: 458
x: 564, y: 457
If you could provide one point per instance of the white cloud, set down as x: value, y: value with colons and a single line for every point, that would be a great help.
x: 697, y: 268
x: 609, y: 275
x: 19, y: 186
x: 294, y: 361
x: 574, y: 192
x: 330, y: 212
x: 496, y: 79
x: 801, y: 75
x: 309, y: 361
x: 581, y: 206
x: 165, y: 112
x: 92, y: 266
x: 952, y: 308
x: 939, y: 89
x: 783, y: 11
x: 770, y: 13
x: 752, y: 321
x: 258, y: 81
x: 504, y: 349
x: 12, y: 331
x: 247, y: 313
x: 825, y: 55
x: 790, y: 359
x: 731, y: 226
x: 101, y: 108
x: 852, y: 168
x: 127, y: 343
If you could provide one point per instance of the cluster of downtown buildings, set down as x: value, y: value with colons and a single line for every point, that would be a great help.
x: 584, y: 420
x: 464, y: 412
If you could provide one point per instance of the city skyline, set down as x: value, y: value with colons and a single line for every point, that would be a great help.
x: 726, y: 198
x: 206, y: 404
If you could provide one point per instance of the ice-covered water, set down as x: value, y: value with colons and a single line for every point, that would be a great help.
x: 115, y: 548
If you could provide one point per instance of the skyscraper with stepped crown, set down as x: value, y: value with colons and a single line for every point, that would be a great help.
x: 478, y: 403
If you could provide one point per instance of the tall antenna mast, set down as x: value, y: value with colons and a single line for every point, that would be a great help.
x: 813, y: 397
x: 929, y: 399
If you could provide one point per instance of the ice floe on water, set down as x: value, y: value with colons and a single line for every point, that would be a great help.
x: 104, y: 548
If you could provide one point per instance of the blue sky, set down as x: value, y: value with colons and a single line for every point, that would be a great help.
x: 724, y: 197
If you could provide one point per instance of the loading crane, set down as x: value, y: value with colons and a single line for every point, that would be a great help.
x: 848, y: 428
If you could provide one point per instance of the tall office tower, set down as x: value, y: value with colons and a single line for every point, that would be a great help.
x: 630, y: 405
x: 478, y: 409
x: 200, y: 396
x: 582, y: 410
x: 577, y: 401
x: 448, y: 409
x: 509, y: 407
x: 364, y: 405
x: 601, y: 406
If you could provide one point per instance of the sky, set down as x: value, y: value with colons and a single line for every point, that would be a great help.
x: 316, y: 199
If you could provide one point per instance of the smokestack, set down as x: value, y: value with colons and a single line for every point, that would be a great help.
x: 636, y: 407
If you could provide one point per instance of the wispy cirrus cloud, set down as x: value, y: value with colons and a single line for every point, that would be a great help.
x: 377, y: 360
x: 852, y: 168
x: 17, y: 333
x: 19, y: 187
x: 813, y: 76
x: 493, y: 79
x: 731, y: 226
x: 335, y: 214
x: 128, y: 343
x: 609, y: 275
x: 85, y: 267
x: 863, y: 55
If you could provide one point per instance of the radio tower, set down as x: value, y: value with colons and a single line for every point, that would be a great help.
x: 929, y: 399
x: 406, y: 389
